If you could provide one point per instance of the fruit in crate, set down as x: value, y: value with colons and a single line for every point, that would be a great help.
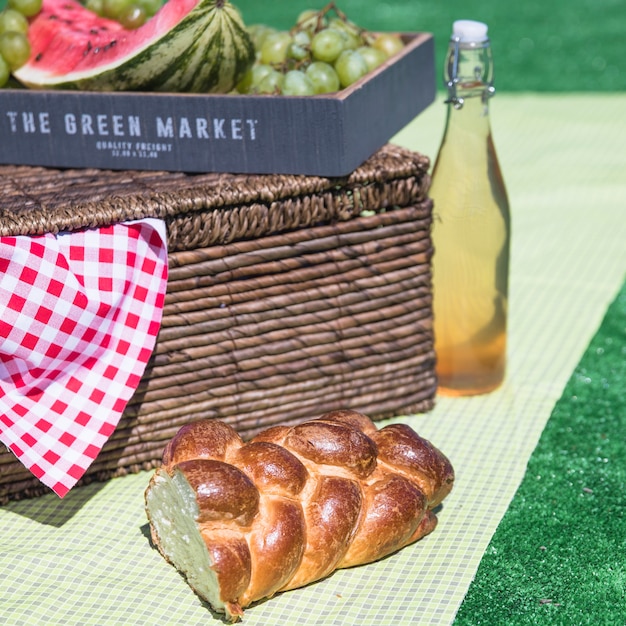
x: 198, y: 46
x: 322, y: 53
x: 14, y: 45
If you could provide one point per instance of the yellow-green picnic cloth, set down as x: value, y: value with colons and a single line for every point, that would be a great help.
x: 87, y: 559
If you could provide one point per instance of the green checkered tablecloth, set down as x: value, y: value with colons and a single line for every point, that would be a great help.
x: 87, y: 560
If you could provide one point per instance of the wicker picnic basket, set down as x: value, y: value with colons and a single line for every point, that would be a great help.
x: 288, y: 296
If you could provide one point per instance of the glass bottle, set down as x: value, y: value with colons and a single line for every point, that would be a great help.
x: 471, y: 226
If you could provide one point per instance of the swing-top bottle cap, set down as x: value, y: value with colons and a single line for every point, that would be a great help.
x: 469, y: 31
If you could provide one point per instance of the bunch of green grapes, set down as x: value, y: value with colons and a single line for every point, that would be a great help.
x: 323, y: 53
x: 14, y: 45
x: 130, y: 14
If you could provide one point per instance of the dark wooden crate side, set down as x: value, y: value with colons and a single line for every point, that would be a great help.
x: 388, y: 101
x: 318, y: 135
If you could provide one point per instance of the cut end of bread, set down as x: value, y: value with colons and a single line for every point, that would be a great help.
x: 172, y: 510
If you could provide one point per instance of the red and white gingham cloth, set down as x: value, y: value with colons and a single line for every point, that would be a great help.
x: 79, y: 315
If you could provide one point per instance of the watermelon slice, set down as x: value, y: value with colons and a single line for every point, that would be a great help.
x: 188, y: 46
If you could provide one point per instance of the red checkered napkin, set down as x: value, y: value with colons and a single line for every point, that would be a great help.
x: 79, y: 315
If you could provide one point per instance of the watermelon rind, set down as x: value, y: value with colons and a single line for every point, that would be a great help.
x: 203, y: 50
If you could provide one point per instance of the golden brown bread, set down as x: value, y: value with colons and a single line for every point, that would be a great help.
x: 243, y: 521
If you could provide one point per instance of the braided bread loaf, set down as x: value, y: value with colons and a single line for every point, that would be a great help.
x: 243, y: 521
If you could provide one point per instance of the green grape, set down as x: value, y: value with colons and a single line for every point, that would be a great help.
x: 95, y: 6
x: 133, y: 17
x: 302, y: 38
x: 297, y: 83
x: 258, y: 34
x: 12, y: 20
x: 5, y: 72
x: 130, y: 14
x: 350, y: 66
x: 388, y: 43
x: 271, y: 83
x: 150, y: 7
x: 114, y: 9
x: 300, y: 48
x: 327, y: 45
x: 373, y: 56
x: 311, y: 21
x: 297, y: 53
x: 29, y: 8
x: 275, y: 47
x: 15, y: 49
x: 323, y: 77
x: 253, y: 77
x: 345, y: 25
x: 351, y: 32
x: 351, y: 41
x: 244, y: 85
x: 259, y: 72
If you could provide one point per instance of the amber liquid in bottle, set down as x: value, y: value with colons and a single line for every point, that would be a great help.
x: 471, y: 237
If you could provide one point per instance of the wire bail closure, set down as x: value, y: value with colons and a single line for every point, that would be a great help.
x: 451, y: 84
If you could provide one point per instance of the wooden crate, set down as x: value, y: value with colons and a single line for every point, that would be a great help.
x: 325, y: 135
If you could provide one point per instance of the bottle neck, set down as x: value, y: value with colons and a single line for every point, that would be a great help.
x: 468, y: 72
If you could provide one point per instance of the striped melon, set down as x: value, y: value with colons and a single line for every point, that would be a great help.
x: 195, y: 46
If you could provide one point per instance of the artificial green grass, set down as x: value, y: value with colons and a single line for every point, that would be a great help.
x: 559, y: 554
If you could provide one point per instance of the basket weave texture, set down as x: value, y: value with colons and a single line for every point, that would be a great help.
x: 288, y: 296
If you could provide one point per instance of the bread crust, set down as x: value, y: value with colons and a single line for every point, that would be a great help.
x: 293, y: 504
